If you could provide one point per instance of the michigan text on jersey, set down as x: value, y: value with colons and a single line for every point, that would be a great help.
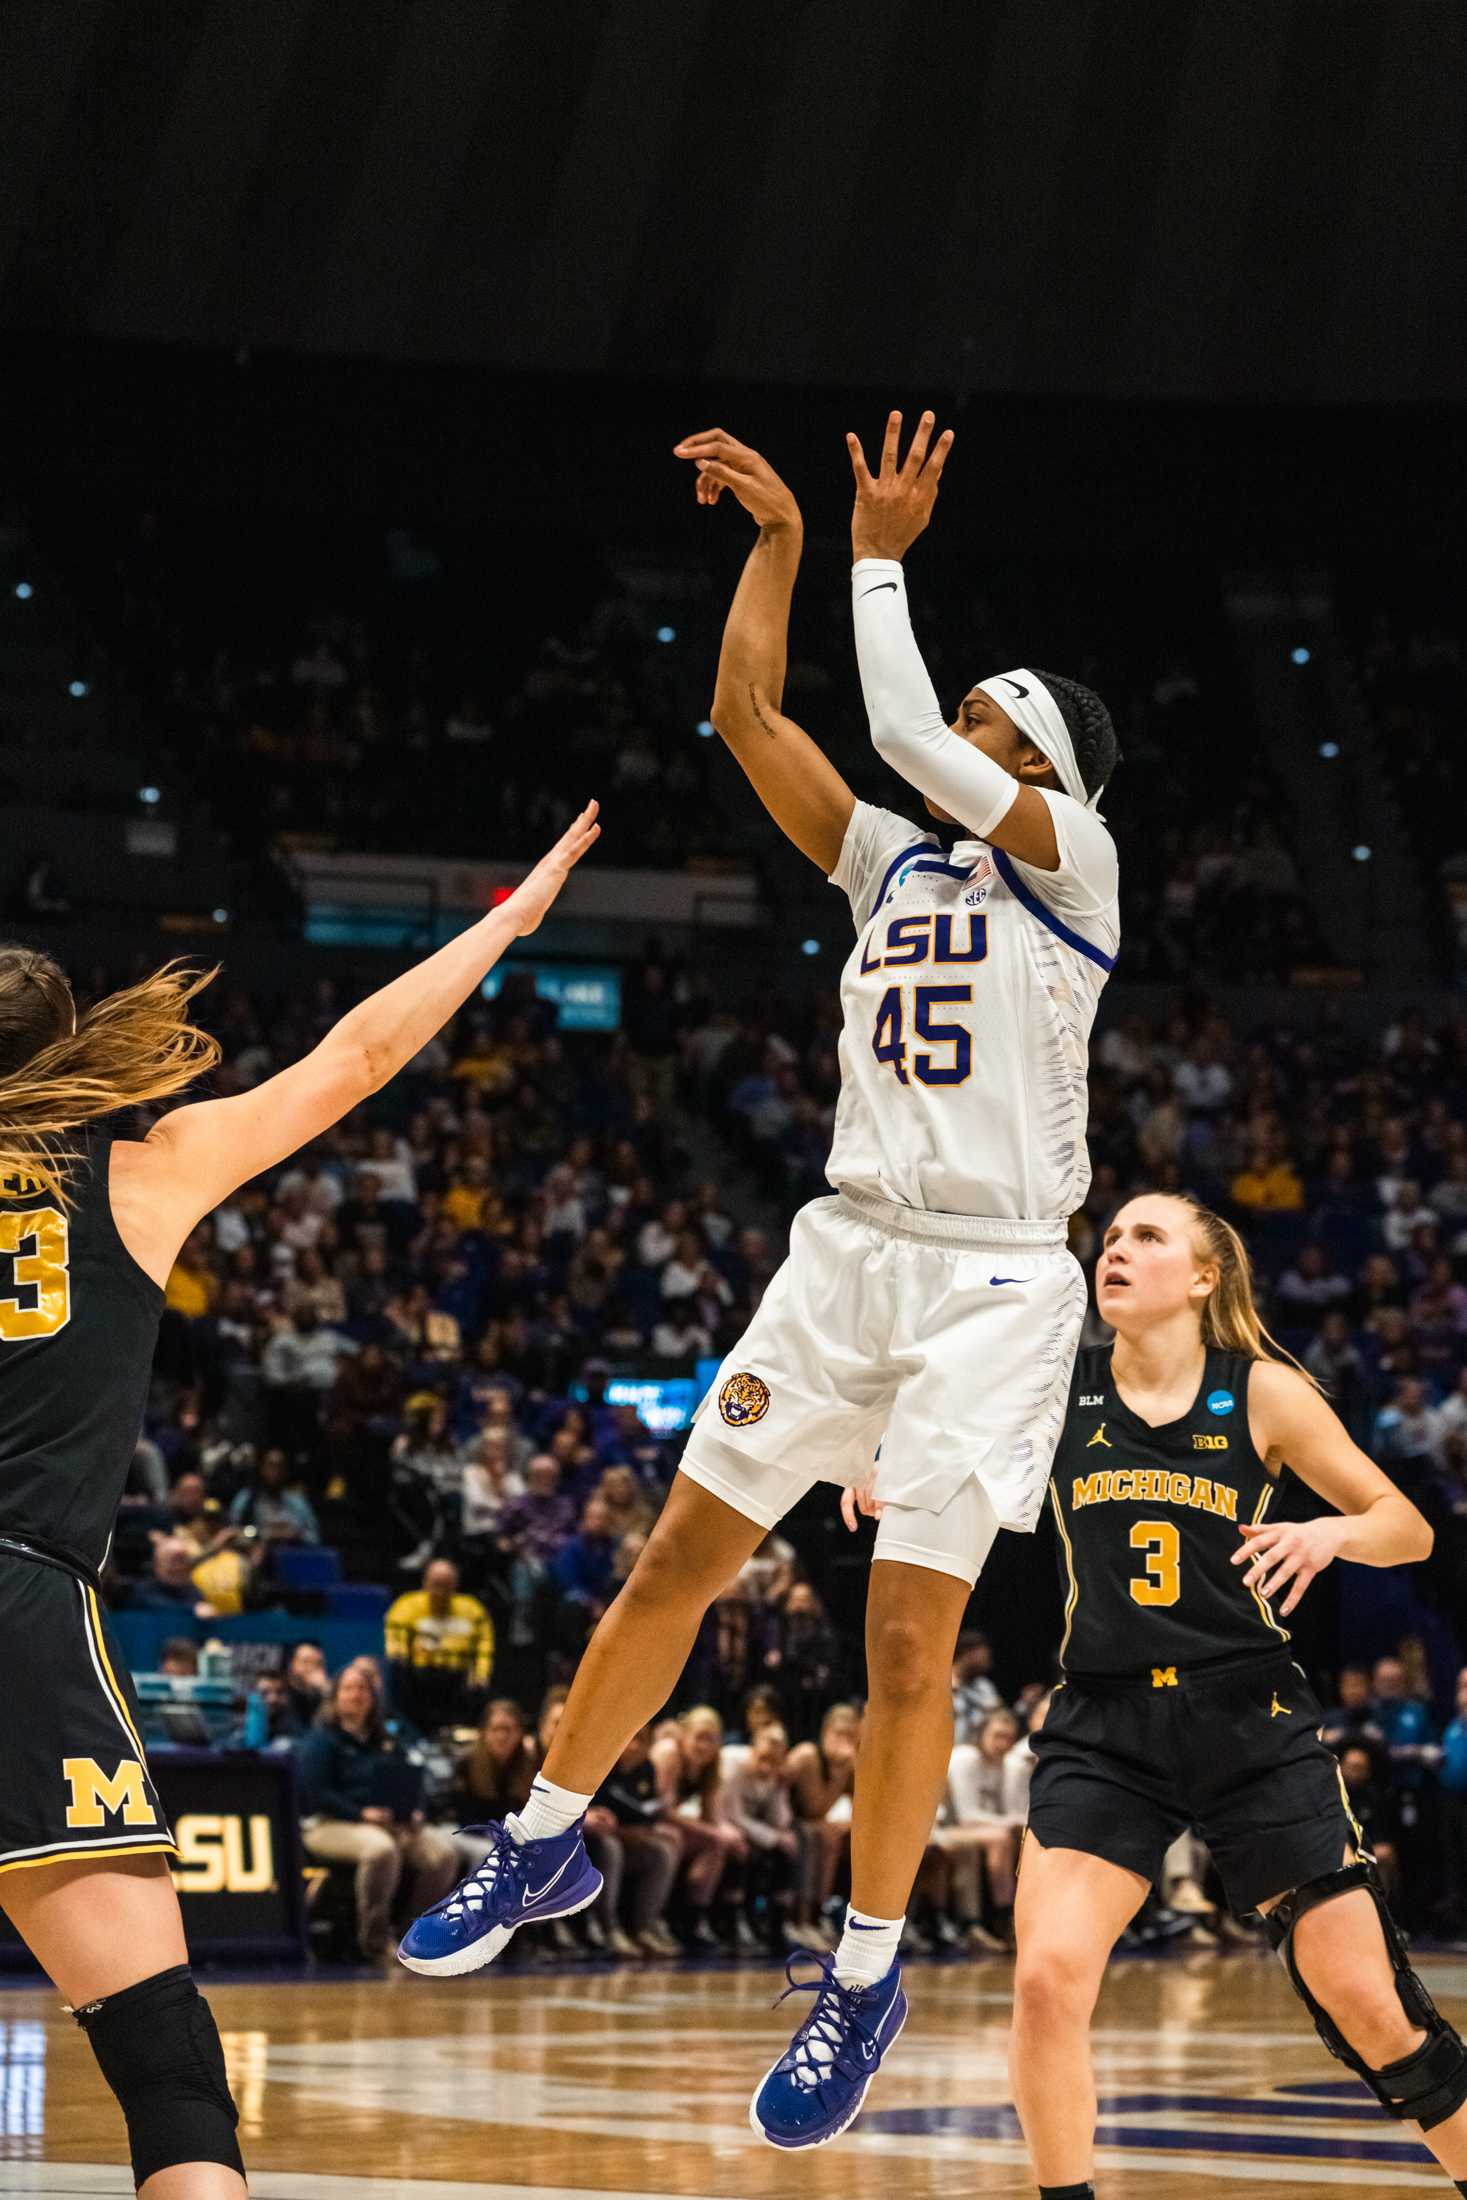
x: 1154, y: 1486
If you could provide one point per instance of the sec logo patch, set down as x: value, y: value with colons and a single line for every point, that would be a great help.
x: 743, y: 1400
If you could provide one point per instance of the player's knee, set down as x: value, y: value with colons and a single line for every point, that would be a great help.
x: 669, y: 1573
x: 1052, y: 1985
x: 157, y: 2046
x: 902, y: 1665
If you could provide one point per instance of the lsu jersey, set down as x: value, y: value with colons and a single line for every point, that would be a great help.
x: 967, y: 1005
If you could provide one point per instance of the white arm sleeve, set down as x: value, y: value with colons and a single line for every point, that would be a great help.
x: 907, y: 726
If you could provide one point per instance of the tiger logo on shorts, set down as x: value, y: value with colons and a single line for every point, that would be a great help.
x: 743, y: 1400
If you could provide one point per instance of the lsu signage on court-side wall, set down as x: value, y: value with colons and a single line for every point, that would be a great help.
x: 234, y: 1815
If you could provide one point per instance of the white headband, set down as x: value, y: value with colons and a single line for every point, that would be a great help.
x: 1026, y: 699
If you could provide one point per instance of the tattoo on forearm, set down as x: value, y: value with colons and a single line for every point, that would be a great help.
x: 758, y: 713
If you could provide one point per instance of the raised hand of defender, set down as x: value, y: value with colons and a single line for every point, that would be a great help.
x: 895, y: 504
x: 533, y: 896
x: 725, y: 463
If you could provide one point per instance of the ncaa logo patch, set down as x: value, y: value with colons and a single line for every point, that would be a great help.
x: 1221, y: 1401
x: 743, y: 1400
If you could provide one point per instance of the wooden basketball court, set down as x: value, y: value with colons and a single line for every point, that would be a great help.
x: 591, y: 2083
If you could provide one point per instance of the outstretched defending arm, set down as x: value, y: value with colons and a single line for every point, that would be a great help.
x: 198, y: 1154
x: 798, y: 785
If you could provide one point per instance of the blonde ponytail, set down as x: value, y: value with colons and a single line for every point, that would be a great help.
x: 58, y: 1071
x: 1231, y: 1321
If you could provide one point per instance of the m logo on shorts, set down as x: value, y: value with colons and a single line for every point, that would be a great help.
x: 96, y: 1795
x: 743, y: 1400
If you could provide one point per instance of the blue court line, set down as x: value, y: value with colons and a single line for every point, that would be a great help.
x: 1002, y: 2123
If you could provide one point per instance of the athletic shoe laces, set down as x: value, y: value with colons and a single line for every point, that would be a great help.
x: 503, y: 1865
x: 823, y: 2046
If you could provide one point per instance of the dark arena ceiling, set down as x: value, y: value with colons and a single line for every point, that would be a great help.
x: 1236, y: 199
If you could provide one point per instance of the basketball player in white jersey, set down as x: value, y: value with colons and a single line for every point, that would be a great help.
x: 930, y: 1305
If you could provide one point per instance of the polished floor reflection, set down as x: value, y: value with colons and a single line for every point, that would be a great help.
x: 636, y: 2084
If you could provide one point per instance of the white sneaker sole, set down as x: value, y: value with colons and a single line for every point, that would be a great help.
x: 481, y: 1953
x: 802, y: 2146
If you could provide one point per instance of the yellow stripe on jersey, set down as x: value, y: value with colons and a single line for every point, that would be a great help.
x: 1262, y: 1602
x: 85, y: 1851
x: 93, y: 1620
x: 1074, y: 1596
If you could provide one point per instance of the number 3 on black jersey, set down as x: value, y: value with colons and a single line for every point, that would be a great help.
x: 1163, y: 1547
x: 889, y: 1045
x: 42, y: 1270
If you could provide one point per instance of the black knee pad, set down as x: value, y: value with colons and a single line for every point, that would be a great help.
x: 1424, y: 2087
x: 157, y: 2045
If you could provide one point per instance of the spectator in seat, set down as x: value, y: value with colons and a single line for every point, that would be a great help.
x: 685, y: 1758
x: 632, y: 1816
x: 491, y: 1778
x: 307, y: 1682
x: 1353, y: 1717
x: 804, y: 1660
x: 440, y: 1650
x: 1376, y: 1809
x: 974, y: 1691
x: 822, y: 1777
x: 757, y: 1803
x: 277, y: 1513
x: 1453, y: 1777
x: 987, y: 1804
x: 357, y: 1809
x: 179, y: 1658
x: 583, y: 1566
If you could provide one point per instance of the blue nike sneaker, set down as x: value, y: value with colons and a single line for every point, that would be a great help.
x: 817, y: 2086
x: 518, y: 1883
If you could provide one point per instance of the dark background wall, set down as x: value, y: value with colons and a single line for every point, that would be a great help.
x: 1258, y: 199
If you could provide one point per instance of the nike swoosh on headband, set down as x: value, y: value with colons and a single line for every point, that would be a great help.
x: 1007, y: 683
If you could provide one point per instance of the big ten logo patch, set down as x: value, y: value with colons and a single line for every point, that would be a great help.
x: 1209, y: 1443
x: 223, y: 1853
x: 97, y: 1796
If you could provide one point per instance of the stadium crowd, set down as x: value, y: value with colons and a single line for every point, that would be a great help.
x: 400, y: 1347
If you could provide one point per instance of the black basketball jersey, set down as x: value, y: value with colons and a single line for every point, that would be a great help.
x: 1148, y: 1523
x: 78, y: 1323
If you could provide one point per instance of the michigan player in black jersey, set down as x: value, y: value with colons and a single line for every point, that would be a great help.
x: 1180, y: 1705
x: 89, y: 1229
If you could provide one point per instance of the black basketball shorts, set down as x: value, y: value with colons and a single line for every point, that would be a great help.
x: 1125, y: 1766
x: 74, y: 1778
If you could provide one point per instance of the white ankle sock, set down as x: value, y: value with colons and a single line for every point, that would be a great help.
x: 867, y: 1948
x: 549, y: 1810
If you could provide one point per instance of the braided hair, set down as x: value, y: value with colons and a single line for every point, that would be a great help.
x: 1097, y: 751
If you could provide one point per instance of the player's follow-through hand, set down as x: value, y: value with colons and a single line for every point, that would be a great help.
x: 894, y: 505
x: 725, y: 463
x: 533, y: 896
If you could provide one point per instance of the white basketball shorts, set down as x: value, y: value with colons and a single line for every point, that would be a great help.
x: 945, y: 1340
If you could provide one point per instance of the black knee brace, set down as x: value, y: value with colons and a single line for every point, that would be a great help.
x: 157, y: 2045
x: 1424, y: 2087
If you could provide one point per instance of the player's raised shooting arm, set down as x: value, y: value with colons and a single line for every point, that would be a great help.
x: 195, y: 1156
x: 798, y: 785
x: 909, y: 731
